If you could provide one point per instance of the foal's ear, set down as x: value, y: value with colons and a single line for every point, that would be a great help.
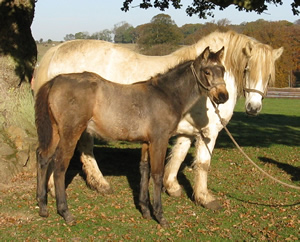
x: 205, y: 53
x: 220, y: 53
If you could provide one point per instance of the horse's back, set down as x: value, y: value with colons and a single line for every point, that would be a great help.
x: 111, y: 61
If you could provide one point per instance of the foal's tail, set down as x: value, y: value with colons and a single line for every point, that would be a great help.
x: 43, y: 117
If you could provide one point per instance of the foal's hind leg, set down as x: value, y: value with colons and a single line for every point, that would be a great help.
x: 94, y: 177
x: 41, y: 192
x: 144, y: 184
x: 62, y: 159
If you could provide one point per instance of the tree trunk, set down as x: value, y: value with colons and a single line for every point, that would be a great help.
x: 18, y: 54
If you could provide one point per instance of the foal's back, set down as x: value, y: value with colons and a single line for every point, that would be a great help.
x: 110, y: 110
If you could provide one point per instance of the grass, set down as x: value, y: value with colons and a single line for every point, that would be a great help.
x: 254, y: 207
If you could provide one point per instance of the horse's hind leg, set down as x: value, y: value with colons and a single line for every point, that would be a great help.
x: 94, y: 177
x: 41, y: 192
x: 178, y: 155
x: 144, y: 184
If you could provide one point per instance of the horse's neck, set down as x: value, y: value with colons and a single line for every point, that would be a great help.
x: 180, y: 85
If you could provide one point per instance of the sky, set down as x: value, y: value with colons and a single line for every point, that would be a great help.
x: 54, y: 19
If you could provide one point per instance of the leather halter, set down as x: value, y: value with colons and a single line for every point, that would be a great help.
x: 200, y: 83
x: 245, y: 89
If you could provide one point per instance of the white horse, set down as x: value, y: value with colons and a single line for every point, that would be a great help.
x: 249, y: 66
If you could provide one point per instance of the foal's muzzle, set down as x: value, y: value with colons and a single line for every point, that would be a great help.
x: 219, y: 94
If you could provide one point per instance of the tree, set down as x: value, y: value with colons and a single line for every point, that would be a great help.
x: 124, y: 33
x: 203, y: 7
x: 82, y: 35
x: 18, y: 55
x: 102, y: 35
x: 161, y: 30
x: 69, y: 37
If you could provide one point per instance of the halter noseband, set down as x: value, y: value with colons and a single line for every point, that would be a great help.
x: 200, y: 83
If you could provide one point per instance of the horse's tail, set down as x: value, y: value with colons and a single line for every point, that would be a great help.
x: 43, y: 117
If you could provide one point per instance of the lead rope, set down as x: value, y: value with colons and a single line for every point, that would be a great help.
x: 223, y: 122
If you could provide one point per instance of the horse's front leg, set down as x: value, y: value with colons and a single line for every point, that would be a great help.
x: 144, y: 184
x: 94, y: 176
x: 204, y: 146
x: 157, y: 152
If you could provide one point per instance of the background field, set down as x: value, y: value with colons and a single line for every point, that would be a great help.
x: 254, y: 207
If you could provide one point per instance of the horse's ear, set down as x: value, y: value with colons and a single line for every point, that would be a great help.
x: 248, y: 49
x: 220, y: 53
x: 277, y: 53
x: 205, y: 53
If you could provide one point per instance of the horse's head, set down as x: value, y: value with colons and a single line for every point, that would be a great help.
x: 211, y: 75
x: 258, y: 73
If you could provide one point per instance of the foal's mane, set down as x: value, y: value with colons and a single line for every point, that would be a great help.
x: 235, y: 58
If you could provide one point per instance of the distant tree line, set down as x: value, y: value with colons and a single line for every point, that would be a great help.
x: 162, y: 36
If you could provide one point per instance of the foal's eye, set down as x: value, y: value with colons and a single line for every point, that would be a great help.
x: 206, y: 72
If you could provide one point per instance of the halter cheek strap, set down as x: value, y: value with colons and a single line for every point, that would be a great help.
x: 207, y: 88
x: 200, y: 83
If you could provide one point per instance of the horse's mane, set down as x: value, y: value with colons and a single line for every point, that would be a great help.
x: 235, y: 58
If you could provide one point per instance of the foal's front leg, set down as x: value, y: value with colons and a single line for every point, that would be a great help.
x: 157, y: 152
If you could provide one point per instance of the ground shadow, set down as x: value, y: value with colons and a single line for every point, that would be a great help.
x: 289, y: 169
x: 261, y: 131
x: 124, y: 162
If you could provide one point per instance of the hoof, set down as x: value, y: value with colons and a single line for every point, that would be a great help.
x: 164, y: 223
x: 104, y: 190
x: 146, y: 215
x: 70, y: 220
x: 213, y: 205
x: 44, y: 213
x: 176, y: 193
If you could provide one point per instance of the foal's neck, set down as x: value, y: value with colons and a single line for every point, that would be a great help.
x: 180, y: 85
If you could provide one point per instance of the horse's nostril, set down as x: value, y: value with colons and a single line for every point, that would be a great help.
x: 252, y: 111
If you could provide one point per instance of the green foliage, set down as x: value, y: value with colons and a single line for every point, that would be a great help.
x: 102, y: 35
x: 124, y: 33
x: 204, y: 8
x: 81, y: 35
x: 161, y: 30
